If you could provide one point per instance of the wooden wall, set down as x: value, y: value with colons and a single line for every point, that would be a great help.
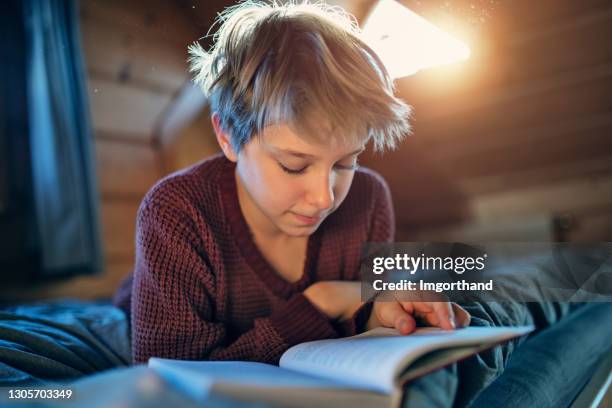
x: 515, y: 143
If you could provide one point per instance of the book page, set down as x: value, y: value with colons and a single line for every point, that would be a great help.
x: 374, y: 359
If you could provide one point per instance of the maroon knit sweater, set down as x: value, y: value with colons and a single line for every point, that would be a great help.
x: 201, y: 289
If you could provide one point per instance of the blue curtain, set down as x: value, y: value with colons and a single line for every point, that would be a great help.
x: 18, y: 246
x: 60, y: 136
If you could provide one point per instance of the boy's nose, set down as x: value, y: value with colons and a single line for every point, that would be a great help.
x: 321, y: 194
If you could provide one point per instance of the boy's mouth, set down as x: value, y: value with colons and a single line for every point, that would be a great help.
x: 304, y: 219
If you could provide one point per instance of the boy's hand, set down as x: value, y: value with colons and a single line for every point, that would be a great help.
x: 402, y: 315
x: 341, y: 299
x: 338, y: 300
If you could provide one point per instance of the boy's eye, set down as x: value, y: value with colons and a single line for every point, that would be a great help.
x: 352, y: 166
x: 349, y: 167
x: 292, y: 171
x: 346, y: 167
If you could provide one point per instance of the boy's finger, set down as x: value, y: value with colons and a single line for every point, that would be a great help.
x: 445, y: 314
x: 405, y: 324
x: 462, y: 316
x: 393, y: 315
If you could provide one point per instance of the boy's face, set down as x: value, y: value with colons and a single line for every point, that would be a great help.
x: 288, y: 186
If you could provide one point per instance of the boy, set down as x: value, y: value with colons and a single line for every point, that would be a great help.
x: 245, y: 254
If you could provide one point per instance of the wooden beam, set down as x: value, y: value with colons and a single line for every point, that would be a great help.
x: 179, y: 114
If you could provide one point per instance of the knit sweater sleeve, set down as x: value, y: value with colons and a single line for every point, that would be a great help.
x: 381, y: 229
x: 174, y: 293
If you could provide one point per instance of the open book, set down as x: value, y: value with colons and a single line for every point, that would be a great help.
x: 369, y: 369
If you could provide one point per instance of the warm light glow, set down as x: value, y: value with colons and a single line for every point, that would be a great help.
x: 407, y: 43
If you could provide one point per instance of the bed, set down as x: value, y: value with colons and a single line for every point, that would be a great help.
x: 85, y: 347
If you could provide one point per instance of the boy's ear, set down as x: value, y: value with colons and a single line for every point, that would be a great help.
x: 223, y: 138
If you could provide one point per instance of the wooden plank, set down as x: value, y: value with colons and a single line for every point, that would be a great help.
x: 541, y: 175
x: 577, y: 43
x: 156, y: 20
x: 572, y: 26
x: 583, y: 85
x: 118, y: 53
x: 125, y: 110
x: 528, y: 15
x: 518, y: 136
x: 125, y: 168
x: 529, y: 154
x: 124, y: 139
x: 119, y: 228
x: 497, y: 125
x: 532, y: 229
x: 556, y: 198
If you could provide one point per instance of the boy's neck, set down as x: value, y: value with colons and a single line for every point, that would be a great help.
x: 261, y: 227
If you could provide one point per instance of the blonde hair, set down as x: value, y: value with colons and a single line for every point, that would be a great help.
x: 299, y: 64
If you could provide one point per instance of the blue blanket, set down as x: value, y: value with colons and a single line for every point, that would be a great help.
x: 59, y: 340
